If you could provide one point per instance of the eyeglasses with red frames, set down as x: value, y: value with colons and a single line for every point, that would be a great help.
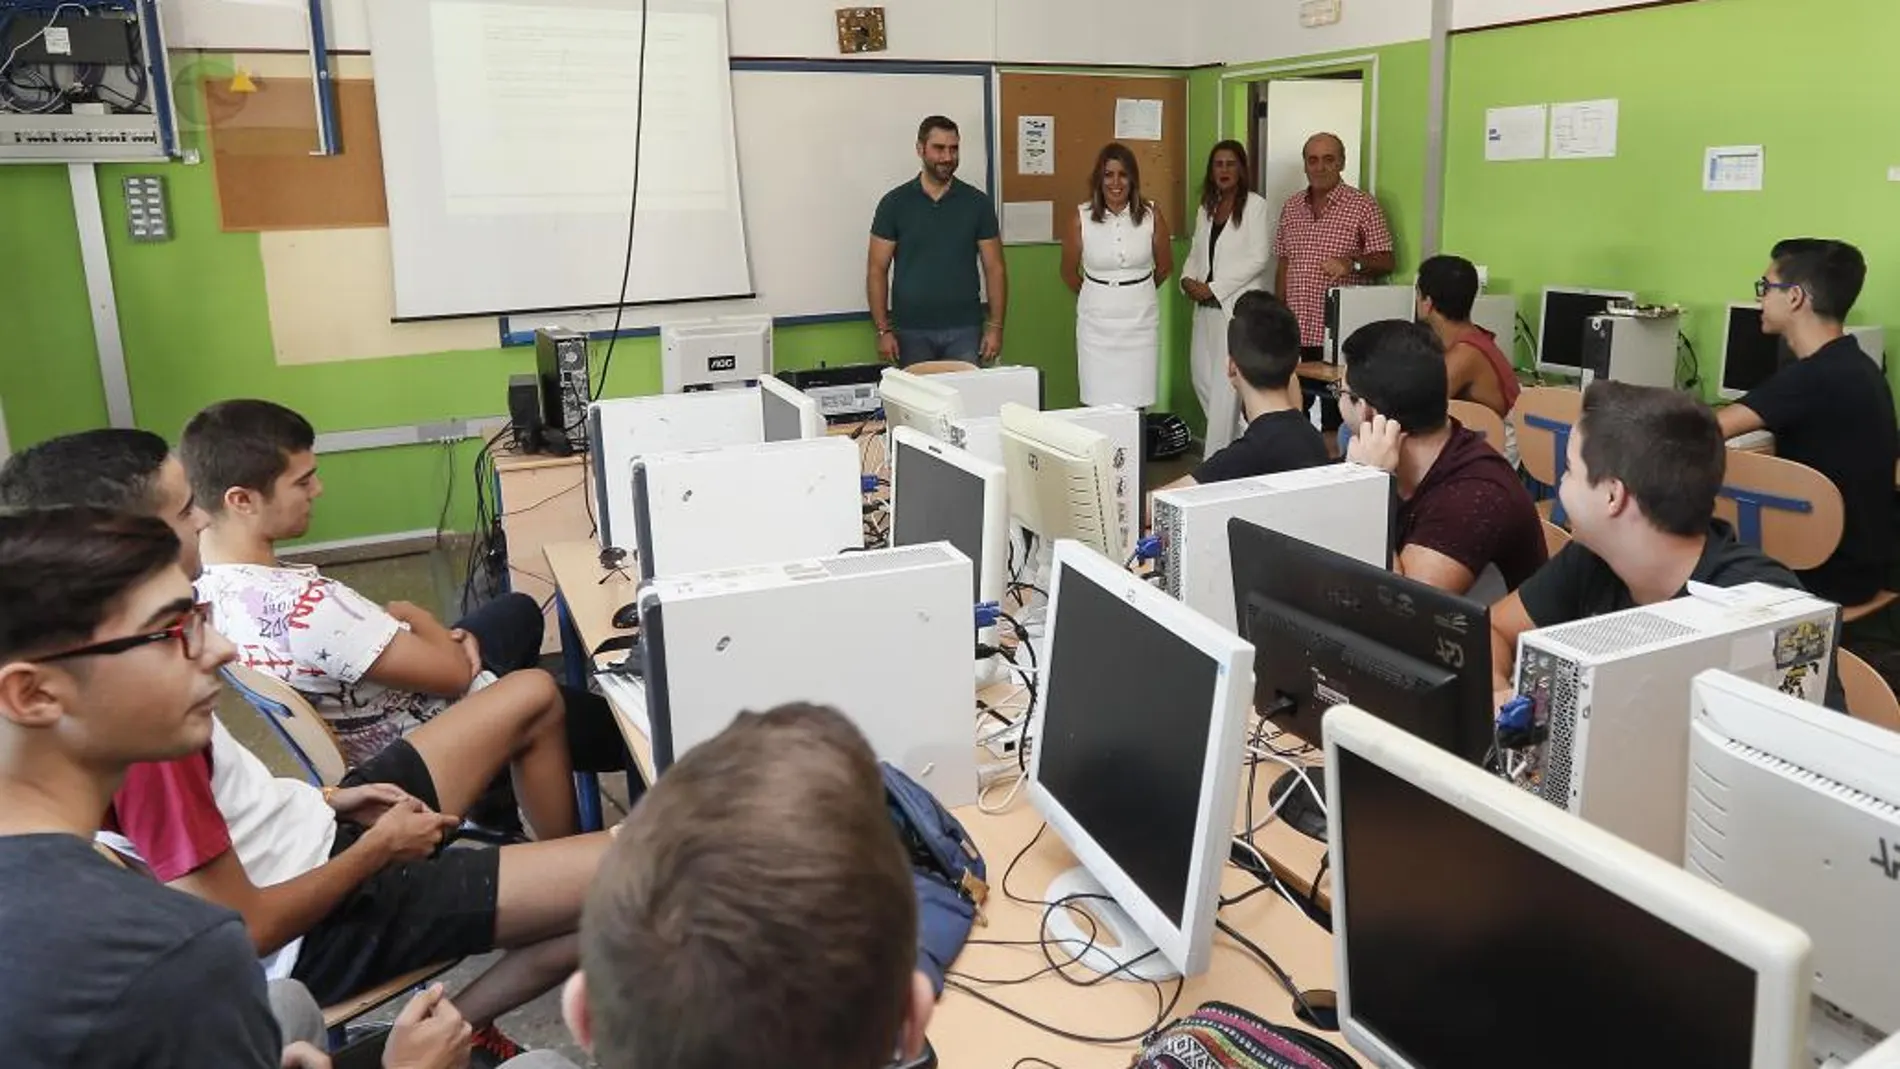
x: 189, y: 632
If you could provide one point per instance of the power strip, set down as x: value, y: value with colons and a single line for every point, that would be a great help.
x: 1004, y: 742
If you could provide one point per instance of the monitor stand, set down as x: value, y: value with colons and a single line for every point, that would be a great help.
x: 1302, y: 812
x: 1116, y: 941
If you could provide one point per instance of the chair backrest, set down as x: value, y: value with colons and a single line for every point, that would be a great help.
x: 304, y: 733
x: 1555, y: 538
x: 1790, y: 510
x: 1869, y: 697
x: 1481, y: 421
x: 1543, y: 417
x: 939, y: 367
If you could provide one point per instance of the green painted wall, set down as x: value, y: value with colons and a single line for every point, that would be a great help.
x: 1818, y: 93
x: 1400, y: 136
x: 1217, y: 109
x: 195, y: 326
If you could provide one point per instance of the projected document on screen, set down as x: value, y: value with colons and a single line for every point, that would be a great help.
x: 509, y: 131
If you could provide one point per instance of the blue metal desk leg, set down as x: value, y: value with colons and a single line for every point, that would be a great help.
x: 574, y: 669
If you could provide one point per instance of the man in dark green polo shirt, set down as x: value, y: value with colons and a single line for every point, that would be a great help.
x: 935, y: 228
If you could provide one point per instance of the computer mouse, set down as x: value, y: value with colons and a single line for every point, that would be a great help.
x: 627, y: 616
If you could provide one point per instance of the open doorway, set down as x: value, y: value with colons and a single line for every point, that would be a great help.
x: 1286, y: 111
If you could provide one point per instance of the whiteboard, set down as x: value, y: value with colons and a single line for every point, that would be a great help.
x: 817, y: 148
x: 819, y: 143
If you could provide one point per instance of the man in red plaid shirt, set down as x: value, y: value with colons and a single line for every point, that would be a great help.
x: 1330, y: 234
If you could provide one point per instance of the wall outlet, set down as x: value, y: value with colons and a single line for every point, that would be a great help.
x: 1893, y: 174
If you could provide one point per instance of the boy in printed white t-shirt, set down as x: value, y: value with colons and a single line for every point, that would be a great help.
x: 376, y: 673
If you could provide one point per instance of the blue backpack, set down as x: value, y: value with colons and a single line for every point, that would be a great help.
x: 947, y: 872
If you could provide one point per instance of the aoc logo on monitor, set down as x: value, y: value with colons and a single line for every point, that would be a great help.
x: 728, y: 362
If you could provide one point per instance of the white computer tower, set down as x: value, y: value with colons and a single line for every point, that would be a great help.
x: 1797, y: 810
x: 1636, y: 349
x: 986, y: 390
x: 628, y: 427
x: 1612, y: 693
x: 715, y: 354
x: 1350, y: 307
x: 746, y: 504
x: 1873, y: 342
x: 884, y: 636
x: 982, y: 436
x: 1497, y: 313
x: 1343, y: 507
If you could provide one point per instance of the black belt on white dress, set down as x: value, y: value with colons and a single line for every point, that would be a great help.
x: 1131, y: 282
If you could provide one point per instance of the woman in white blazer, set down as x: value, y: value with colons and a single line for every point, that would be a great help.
x: 1230, y: 255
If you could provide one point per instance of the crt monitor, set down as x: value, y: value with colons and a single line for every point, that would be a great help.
x: 1566, y: 318
x: 1331, y: 630
x: 1136, y: 765
x: 940, y: 493
x: 1797, y: 809
x: 787, y: 413
x: 1748, y: 355
x: 1061, y: 479
x: 916, y: 402
x: 1476, y: 926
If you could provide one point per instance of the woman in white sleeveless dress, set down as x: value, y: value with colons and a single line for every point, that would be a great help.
x: 1115, y: 252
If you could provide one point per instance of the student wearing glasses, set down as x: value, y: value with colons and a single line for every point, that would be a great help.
x: 1831, y: 409
x: 105, y: 660
x: 339, y: 888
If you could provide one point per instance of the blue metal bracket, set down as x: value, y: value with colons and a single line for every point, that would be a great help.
x: 1561, y: 432
x: 1748, y: 506
x: 322, y: 86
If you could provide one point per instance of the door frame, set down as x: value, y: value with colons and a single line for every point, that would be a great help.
x: 1236, y: 93
x: 1257, y: 95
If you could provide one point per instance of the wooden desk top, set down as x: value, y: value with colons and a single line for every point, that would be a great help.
x: 509, y: 460
x: 1318, y: 371
x: 968, y: 1033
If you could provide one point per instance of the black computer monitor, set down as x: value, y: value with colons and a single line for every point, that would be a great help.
x: 940, y: 493
x: 1137, y: 762
x: 1330, y: 630
x: 1749, y: 357
x: 1468, y: 946
x: 1567, y: 314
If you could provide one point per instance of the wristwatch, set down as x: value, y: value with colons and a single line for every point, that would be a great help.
x: 1358, y: 266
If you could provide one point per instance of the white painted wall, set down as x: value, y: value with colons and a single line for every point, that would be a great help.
x: 1472, y: 14
x: 1010, y: 31
x: 1248, y: 31
x: 917, y: 29
x: 1138, y: 32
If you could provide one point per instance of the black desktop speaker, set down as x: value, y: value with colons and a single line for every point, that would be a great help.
x: 561, y: 360
x: 524, y: 412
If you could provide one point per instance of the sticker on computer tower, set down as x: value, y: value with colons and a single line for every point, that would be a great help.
x: 1327, y: 694
x: 1801, y: 643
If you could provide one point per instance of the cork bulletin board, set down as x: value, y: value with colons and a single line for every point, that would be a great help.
x: 261, y: 145
x: 1083, y: 108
